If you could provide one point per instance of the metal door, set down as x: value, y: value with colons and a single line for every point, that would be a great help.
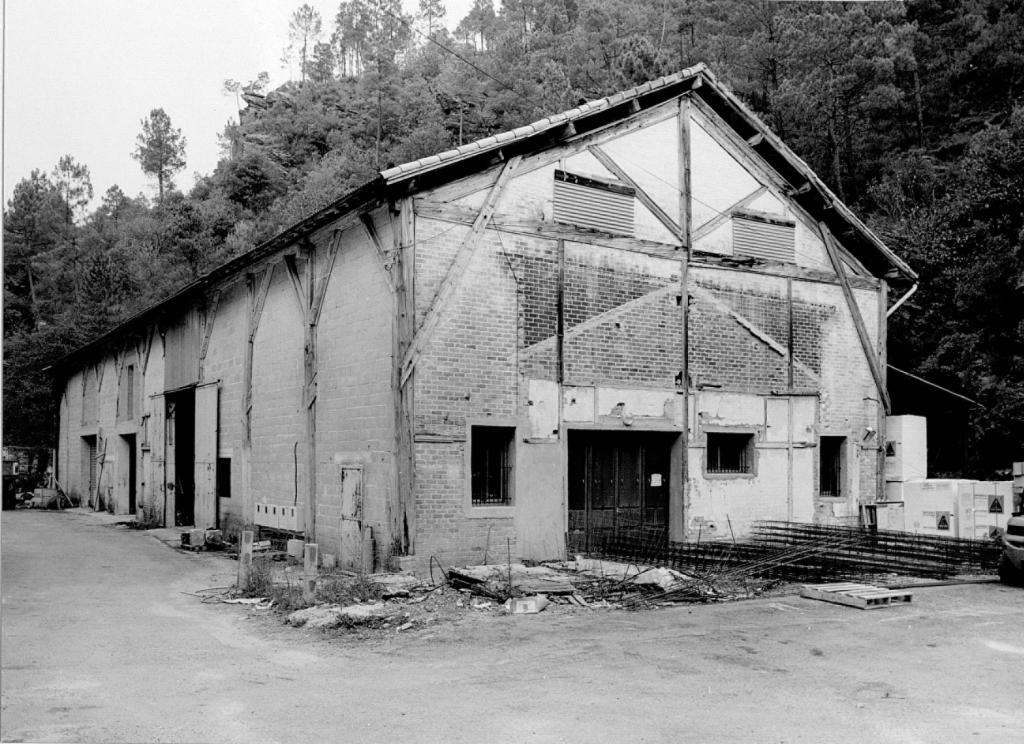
x: 618, y: 489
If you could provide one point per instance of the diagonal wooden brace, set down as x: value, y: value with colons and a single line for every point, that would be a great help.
x: 606, y: 160
x: 858, y: 321
x: 452, y: 280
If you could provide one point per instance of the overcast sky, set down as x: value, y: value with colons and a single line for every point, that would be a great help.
x: 79, y: 75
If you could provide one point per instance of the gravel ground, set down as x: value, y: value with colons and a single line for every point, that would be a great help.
x: 104, y: 640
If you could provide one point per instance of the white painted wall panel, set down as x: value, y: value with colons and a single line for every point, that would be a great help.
x: 578, y: 404
x: 648, y: 403
x: 777, y: 420
x: 543, y: 409
x: 805, y: 483
x: 718, y: 180
x: 719, y: 240
x: 586, y: 164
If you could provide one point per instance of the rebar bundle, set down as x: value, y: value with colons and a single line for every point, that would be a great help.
x: 796, y: 551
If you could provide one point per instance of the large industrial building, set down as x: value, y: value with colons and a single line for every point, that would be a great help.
x: 643, y: 314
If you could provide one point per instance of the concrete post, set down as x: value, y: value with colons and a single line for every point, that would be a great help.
x: 245, y: 560
x: 311, y: 559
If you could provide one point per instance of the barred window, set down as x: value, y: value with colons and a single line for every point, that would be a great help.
x: 129, y: 391
x: 491, y: 465
x: 730, y: 453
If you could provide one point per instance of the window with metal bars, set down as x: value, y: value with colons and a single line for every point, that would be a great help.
x: 129, y: 392
x: 491, y: 465
x: 730, y: 453
x: 830, y: 467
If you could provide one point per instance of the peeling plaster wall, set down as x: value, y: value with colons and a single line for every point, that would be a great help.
x: 494, y: 356
x: 622, y: 347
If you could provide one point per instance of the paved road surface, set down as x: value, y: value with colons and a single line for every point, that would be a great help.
x: 100, y: 644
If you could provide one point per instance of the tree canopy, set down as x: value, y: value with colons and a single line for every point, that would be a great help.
x: 910, y: 111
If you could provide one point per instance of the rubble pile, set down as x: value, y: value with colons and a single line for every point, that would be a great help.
x: 600, y: 583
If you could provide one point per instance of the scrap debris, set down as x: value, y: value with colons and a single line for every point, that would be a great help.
x: 651, y: 570
x: 499, y: 582
x: 648, y: 572
x: 586, y: 582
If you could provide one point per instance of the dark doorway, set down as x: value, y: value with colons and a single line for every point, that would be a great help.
x: 89, y: 450
x: 618, y: 489
x: 129, y: 441
x: 831, y: 468
x: 184, y: 417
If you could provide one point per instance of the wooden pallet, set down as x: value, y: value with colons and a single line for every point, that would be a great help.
x: 862, y: 596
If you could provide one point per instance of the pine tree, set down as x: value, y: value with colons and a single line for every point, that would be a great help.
x: 160, y: 149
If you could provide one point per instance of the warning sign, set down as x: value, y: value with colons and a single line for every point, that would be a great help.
x: 942, y: 521
x: 995, y: 503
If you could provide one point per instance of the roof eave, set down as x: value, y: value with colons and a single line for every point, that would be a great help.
x: 359, y: 198
x: 819, y: 198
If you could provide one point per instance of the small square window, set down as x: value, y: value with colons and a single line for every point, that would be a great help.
x: 491, y: 465
x: 729, y: 453
x: 830, y: 467
x: 224, y: 477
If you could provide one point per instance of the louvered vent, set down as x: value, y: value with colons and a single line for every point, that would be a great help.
x: 763, y: 237
x: 598, y: 205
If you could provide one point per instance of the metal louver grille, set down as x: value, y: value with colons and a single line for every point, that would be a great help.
x: 770, y: 240
x: 585, y: 202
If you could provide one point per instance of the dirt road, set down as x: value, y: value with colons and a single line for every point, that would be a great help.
x: 100, y: 644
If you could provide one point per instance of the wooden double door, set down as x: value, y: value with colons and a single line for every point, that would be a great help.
x: 618, y: 488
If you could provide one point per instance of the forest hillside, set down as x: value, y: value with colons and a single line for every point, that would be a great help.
x: 911, y: 111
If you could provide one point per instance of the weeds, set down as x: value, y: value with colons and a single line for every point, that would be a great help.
x: 345, y: 589
x: 150, y: 518
x: 332, y: 588
x: 261, y: 579
x: 288, y: 597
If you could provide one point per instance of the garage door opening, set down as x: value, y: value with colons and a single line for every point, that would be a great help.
x: 618, y: 489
